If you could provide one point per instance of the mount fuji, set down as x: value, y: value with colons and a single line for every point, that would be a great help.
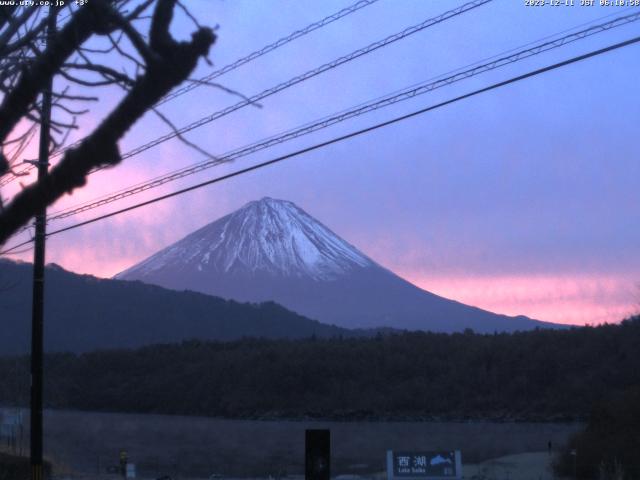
x: 273, y: 250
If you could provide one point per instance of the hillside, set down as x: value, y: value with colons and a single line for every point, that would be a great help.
x: 84, y: 313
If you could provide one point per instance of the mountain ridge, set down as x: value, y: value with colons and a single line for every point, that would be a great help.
x: 85, y: 313
x: 271, y: 249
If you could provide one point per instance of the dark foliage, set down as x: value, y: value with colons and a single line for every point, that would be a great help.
x: 609, y: 447
x: 17, y: 468
x: 84, y: 313
x: 545, y: 375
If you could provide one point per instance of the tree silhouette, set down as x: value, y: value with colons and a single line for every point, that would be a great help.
x: 158, y: 62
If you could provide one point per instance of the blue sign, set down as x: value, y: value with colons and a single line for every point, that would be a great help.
x: 424, y: 465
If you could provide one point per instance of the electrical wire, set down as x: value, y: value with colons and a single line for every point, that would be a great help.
x: 361, y: 109
x: 236, y: 64
x: 341, y: 138
x: 284, y: 85
x: 206, y: 164
x: 309, y: 74
x: 268, y: 48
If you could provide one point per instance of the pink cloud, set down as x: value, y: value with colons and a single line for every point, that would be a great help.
x: 563, y: 298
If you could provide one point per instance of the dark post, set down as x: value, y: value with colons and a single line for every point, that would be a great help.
x: 37, y: 310
x: 124, y: 459
x: 317, y: 464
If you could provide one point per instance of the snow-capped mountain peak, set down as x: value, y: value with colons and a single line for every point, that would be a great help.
x: 264, y: 236
x: 271, y: 250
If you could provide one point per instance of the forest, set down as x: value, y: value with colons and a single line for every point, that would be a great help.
x: 540, y: 375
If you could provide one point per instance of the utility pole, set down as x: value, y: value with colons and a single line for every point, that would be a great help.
x: 37, y: 309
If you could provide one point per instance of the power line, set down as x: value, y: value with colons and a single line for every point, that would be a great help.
x: 268, y: 48
x: 310, y: 74
x: 291, y: 82
x: 207, y: 164
x: 346, y: 115
x: 236, y: 64
x: 343, y: 137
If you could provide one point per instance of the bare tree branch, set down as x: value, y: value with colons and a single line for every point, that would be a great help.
x: 109, y: 74
x: 14, y: 24
x: 135, y: 38
x: 168, y: 65
x: 181, y: 137
x: 227, y: 90
x: 34, y: 78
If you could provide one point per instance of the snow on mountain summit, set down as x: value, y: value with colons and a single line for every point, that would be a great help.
x: 264, y: 236
x: 272, y: 251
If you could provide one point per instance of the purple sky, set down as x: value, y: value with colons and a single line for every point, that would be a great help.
x: 523, y: 200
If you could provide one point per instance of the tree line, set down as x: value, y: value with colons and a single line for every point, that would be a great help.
x: 546, y: 375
